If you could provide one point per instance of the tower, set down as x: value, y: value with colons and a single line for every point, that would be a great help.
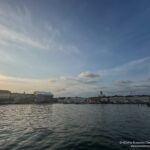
x: 101, y: 93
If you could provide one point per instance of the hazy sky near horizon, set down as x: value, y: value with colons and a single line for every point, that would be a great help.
x: 75, y: 47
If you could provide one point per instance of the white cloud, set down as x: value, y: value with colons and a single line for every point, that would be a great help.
x: 126, y: 87
x: 126, y: 68
x: 8, y: 35
x: 64, y: 86
x: 123, y: 82
x: 71, y: 86
x: 89, y: 77
x: 17, y: 28
x: 4, y: 57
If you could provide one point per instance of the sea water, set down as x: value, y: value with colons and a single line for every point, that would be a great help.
x: 73, y: 127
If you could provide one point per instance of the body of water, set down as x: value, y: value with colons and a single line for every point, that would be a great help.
x: 73, y: 127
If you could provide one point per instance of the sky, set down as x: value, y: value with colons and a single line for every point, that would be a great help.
x: 75, y: 47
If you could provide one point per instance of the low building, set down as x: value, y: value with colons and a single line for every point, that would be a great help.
x: 72, y: 100
x: 5, y: 94
x: 22, y: 98
x: 39, y: 93
x: 43, y: 97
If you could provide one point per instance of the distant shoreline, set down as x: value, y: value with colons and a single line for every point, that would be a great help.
x: 32, y: 99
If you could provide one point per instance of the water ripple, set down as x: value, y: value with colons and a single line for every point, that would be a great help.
x: 72, y: 127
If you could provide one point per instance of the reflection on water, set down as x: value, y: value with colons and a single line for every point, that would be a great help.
x: 26, y: 116
x: 62, y: 126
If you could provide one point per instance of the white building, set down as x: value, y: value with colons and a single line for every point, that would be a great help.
x: 41, y: 93
x: 71, y: 100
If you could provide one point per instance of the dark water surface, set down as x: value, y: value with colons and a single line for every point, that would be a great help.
x: 72, y: 127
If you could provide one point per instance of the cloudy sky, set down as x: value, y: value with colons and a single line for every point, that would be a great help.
x: 75, y: 47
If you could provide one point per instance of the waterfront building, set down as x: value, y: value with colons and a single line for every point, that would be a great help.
x: 38, y: 93
x: 72, y: 100
x: 43, y: 97
x: 4, y: 94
